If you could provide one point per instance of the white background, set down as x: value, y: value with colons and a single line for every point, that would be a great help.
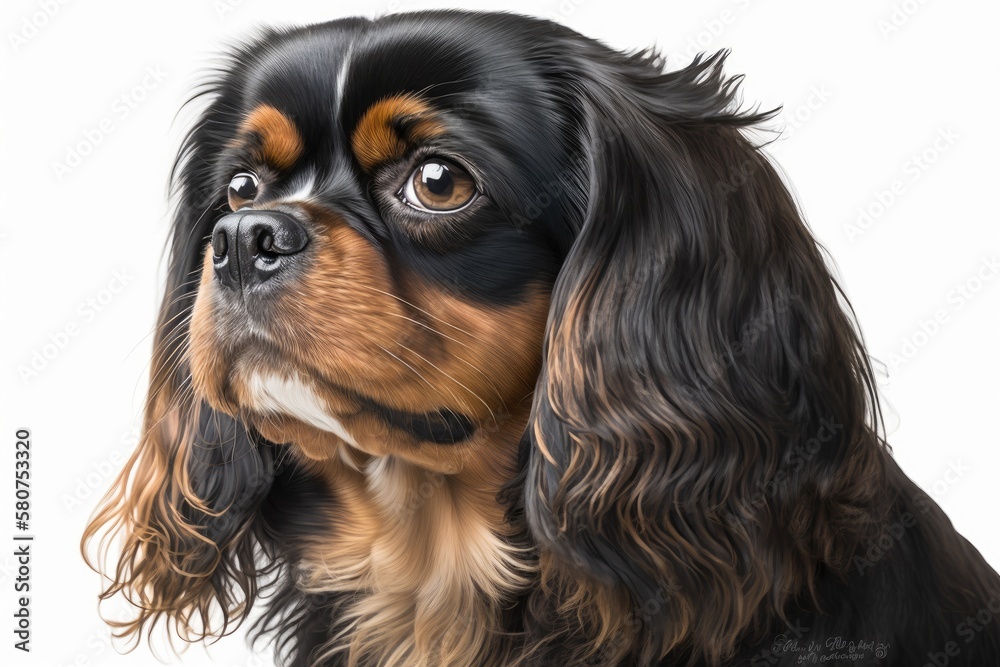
x: 868, y: 87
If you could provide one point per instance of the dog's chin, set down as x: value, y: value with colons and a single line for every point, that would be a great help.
x: 249, y: 378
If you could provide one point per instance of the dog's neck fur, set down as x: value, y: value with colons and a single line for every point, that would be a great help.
x: 429, y: 559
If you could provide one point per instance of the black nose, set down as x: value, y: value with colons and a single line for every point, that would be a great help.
x: 251, y: 247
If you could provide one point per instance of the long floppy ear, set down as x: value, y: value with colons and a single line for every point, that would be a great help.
x: 179, y: 517
x: 700, y: 439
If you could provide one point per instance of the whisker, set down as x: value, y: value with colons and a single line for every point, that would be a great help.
x: 417, y: 373
x: 458, y: 342
x: 416, y: 307
x: 450, y: 377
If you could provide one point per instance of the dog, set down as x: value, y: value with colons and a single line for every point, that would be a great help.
x: 484, y: 344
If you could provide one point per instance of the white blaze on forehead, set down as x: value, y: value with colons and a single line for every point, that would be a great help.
x: 295, y: 398
x: 303, y: 191
x: 342, y: 77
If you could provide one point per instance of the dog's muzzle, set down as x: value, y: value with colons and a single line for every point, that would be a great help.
x: 251, y: 247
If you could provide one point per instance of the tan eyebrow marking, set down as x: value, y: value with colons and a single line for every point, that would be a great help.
x: 280, y: 141
x: 376, y: 140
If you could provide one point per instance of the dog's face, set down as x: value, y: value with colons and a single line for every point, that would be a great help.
x: 372, y: 278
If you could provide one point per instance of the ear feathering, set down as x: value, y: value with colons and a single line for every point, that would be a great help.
x: 177, y: 520
x: 697, y: 351
x: 184, y: 557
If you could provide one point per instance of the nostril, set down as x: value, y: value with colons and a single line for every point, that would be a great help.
x: 250, y: 247
x: 276, y: 236
x: 220, y: 243
x: 265, y: 244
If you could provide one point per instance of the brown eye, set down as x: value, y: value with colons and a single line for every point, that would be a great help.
x: 242, y: 189
x: 437, y: 186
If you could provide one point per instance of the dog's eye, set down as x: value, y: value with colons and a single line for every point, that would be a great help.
x: 242, y: 189
x: 438, y: 186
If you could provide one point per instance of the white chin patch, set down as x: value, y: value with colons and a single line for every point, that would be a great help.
x: 293, y: 397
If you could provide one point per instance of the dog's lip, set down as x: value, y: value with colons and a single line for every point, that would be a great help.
x: 442, y: 425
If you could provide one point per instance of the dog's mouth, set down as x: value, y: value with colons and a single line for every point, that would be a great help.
x: 256, y: 380
x: 309, y: 401
x: 442, y: 426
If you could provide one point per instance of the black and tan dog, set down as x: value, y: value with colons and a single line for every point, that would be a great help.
x: 486, y: 345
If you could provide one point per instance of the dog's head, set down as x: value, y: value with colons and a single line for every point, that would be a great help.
x: 372, y: 284
x: 432, y: 236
